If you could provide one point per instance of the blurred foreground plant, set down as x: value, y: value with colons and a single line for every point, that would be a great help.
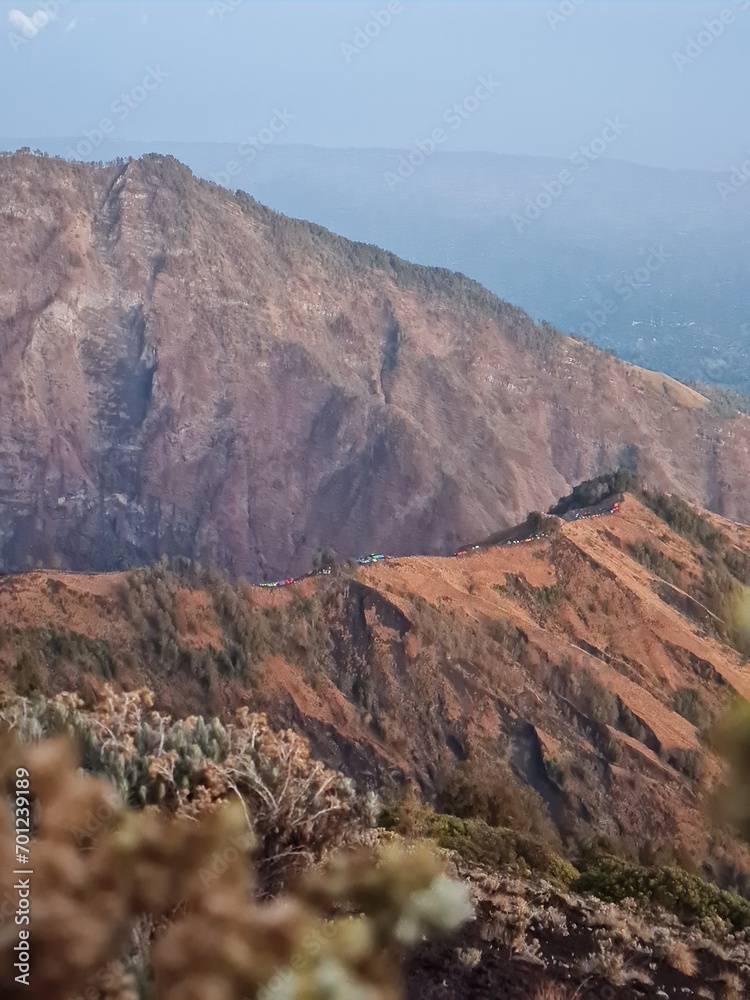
x: 733, y: 739
x: 336, y: 937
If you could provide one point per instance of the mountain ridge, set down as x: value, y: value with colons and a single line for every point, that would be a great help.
x: 463, y: 210
x: 191, y: 374
x: 585, y: 660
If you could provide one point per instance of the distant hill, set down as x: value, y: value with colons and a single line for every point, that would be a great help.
x: 727, y: 402
x: 663, y: 248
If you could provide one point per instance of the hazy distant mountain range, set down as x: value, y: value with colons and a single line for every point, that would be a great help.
x: 652, y: 263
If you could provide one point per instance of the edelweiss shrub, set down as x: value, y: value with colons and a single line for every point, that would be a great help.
x: 84, y: 897
x: 298, y: 806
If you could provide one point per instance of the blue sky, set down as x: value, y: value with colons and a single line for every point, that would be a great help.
x: 221, y: 70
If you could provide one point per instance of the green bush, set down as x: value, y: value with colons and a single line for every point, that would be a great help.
x: 684, y: 519
x: 299, y: 629
x: 655, y: 561
x: 43, y: 652
x: 688, y: 896
x: 479, y: 843
x: 537, y: 599
x: 726, y: 568
x: 495, y: 847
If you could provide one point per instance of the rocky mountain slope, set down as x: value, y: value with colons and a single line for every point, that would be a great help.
x: 588, y: 664
x: 472, y: 212
x: 188, y: 373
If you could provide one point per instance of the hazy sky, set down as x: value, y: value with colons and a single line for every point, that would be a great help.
x: 221, y: 70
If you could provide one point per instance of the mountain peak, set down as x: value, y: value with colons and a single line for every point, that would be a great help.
x: 189, y: 373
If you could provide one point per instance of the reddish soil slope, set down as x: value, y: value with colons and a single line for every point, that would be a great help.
x: 560, y: 656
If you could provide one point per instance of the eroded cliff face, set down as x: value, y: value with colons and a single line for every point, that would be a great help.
x: 185, y: 372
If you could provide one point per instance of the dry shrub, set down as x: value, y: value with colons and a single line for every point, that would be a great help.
x: 508, y: 923
x: 411, y: 646
x: 133, y: 868
x: 470, y: 957
x: 681, y: 958
x: 517, y: 919
x: 85, y: 895
x: 299, y: 807
x: 605, y: 961
x: 729, y: 987
x: 487, y: 790
x: 552, y: 991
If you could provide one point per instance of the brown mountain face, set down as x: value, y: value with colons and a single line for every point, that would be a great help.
x: 590, y: 663
x: 186, y: 372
